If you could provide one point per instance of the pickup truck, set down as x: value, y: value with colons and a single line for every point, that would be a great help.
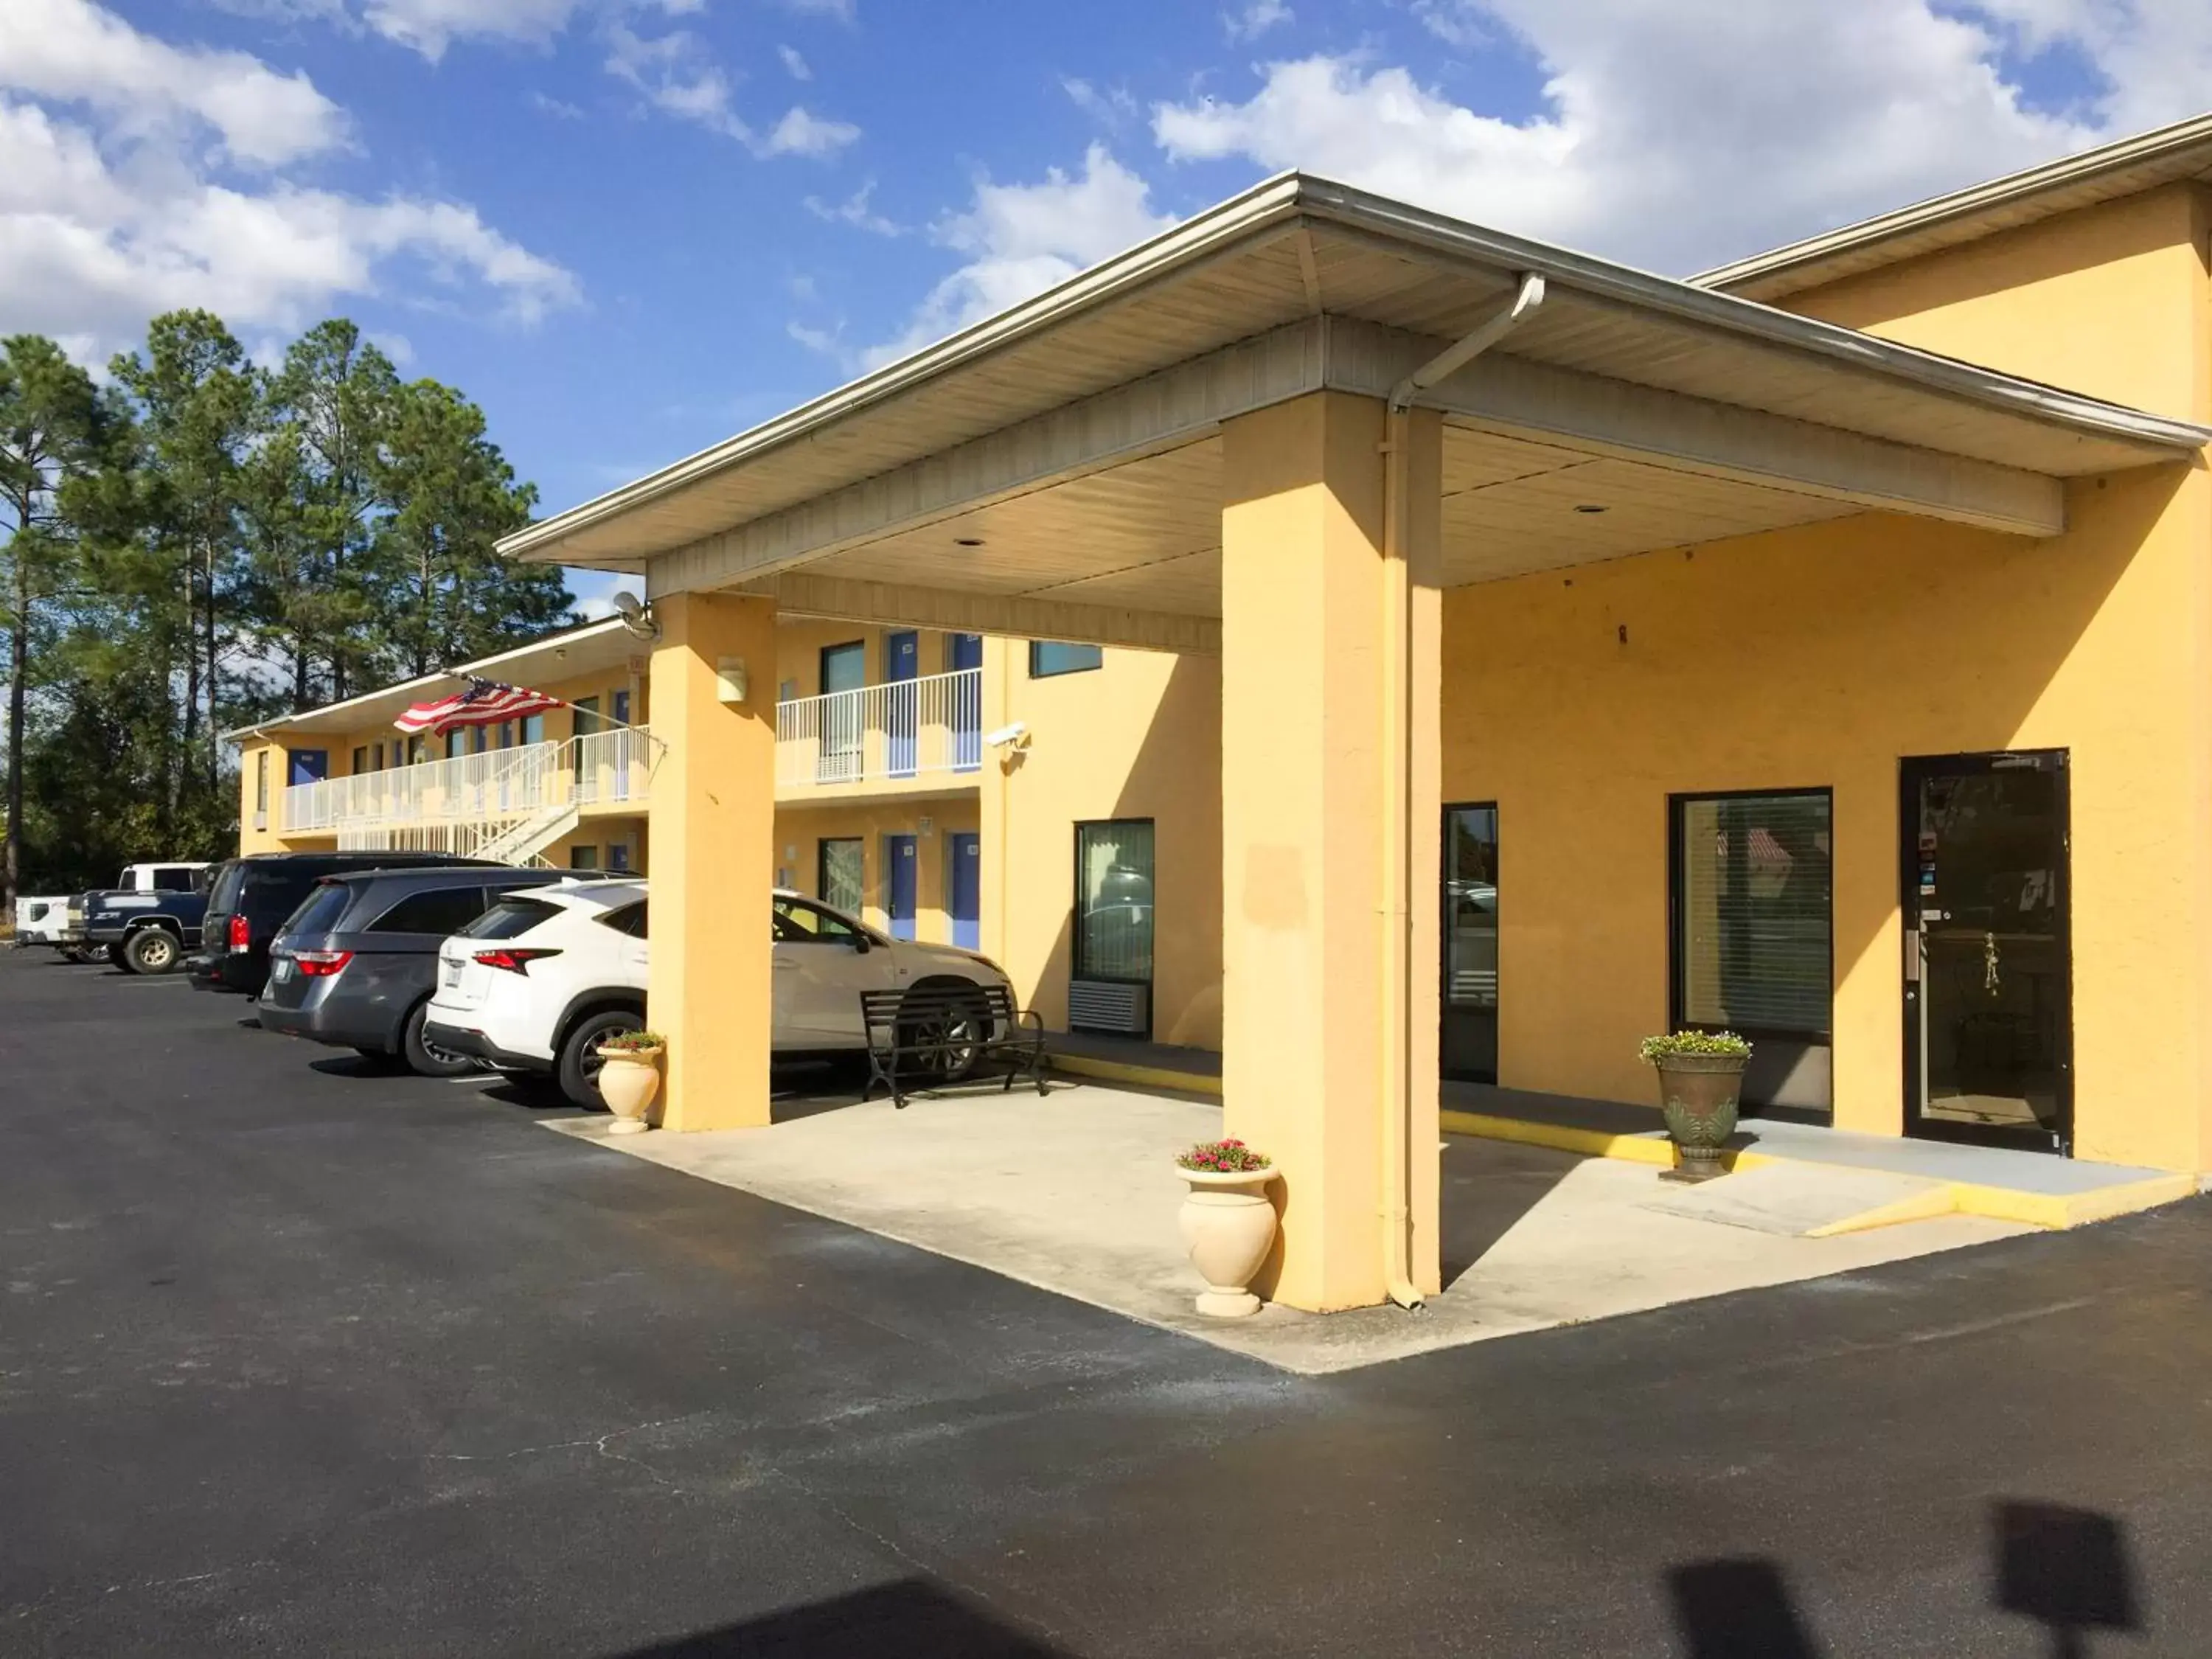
x: 147, y: 920
x: 41, y: 921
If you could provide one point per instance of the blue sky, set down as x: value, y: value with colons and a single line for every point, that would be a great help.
x: 630, y: 228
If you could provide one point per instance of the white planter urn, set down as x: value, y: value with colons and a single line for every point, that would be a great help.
x: 628, y: 1080
x: 1230, y: 1226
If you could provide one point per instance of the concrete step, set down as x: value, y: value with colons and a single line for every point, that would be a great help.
x: 1806, y: 1200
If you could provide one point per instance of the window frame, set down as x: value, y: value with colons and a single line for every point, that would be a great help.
x: 485, y: 899
x: 1076, y: 968
x: 1677, y: 1018
x: 1037, y: 673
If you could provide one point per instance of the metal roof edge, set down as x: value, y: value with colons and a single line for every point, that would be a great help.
x: 590, y: 631
x: 1327, y: 200
x: 1963, y: 204
x: 1195, y: 238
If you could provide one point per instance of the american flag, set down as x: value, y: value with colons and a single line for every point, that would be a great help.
x: 481, y: 703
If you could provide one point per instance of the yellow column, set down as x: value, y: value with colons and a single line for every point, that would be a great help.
x: 712, y: 823
x: 1312, y: 1032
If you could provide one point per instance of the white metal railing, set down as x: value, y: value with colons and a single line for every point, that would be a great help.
x: 613, y: 766
x: 478, y: 795
x: 904, y: 729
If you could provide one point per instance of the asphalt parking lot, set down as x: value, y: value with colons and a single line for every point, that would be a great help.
x: 298, y: 1358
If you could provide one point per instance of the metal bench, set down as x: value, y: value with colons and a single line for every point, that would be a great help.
x: 948, y: 1033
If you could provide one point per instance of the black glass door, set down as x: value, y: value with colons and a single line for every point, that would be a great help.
x: 1987, y: 988
x: 1468, y: 1049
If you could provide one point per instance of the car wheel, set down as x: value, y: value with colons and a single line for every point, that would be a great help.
x: 580, y: 1055
x: 151, y: 950
x: 426, y: 1059
x: 949, y: 1042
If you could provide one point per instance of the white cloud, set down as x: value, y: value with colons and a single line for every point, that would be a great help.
x: 1254, y: 18
x: 1021, y: 238
x: 794, y: 64
x: 73, y: 51
x: 559, y: 108
x: 430, y: 26
x: 801, y: 133
x: 136, y: 176
x: 1112, y: 107
x: 857, y: 211
x: 844, y: 11
x: 678, y: 77
x: 1683, y: 135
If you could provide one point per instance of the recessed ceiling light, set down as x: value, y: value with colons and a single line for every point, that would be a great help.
x: 1590, y: 507
x: 967, y: 541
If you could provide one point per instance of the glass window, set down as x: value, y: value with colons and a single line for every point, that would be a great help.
x: 1470, y: 1049
x: 320, y: 911
x: 1050, y: 657
x: 844, y: 667
x: 174, y: 878
x: 533, y: 728
x: 510, y: 918
x: 457, y: 743
x: 798, y: 922
x: 1752, y: 913
x: 843, y: 883
x: 379, y: 757
x: 1114, y: 900
x: 261, y: 779
x: 441, y: 910
x: 360, y: 760
x: 627, y: 919
x: 586, y: 714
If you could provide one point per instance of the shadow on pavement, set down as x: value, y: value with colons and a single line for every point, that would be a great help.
x: 2067, y: 1569
x: 912, y: 1619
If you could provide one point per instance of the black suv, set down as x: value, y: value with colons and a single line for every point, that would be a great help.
x: 249, y: 898
x: 355, y: 965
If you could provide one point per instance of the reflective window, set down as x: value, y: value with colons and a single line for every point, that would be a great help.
x: 1114, y: 900
x: 1751, y: 912
x: 1050, y: 657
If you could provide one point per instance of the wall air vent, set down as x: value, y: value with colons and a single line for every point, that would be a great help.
x: 1098, y: 1005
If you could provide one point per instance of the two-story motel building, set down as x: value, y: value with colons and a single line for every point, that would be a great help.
x: 1438, y: 654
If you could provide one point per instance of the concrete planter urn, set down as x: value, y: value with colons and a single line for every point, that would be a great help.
x: 1227, y: 1223
x: 629, y: 1077
x: 1700, y: 1079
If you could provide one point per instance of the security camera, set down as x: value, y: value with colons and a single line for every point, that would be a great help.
x: 1006, y: 736
x: 635, y: 614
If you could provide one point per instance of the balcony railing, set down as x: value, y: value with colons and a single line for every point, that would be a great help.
x: 498, y: 786
x: 905, y: 729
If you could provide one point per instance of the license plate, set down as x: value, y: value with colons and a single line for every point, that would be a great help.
x: 453, y: 973
x: 282, y: 971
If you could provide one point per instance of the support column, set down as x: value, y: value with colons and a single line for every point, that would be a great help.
x: 712, y: 823
x: 1328, y: 874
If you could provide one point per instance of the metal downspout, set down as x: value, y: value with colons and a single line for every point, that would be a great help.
x: 1395, y: 910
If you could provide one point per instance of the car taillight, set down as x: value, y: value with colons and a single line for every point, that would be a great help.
x: 241, y: 935
x: 512, y: 962
x: 320, y: 964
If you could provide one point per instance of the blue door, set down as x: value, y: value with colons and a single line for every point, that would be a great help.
x: 902, y: 714
x: 963, y: 877
x: 309, y: 766
x: 964, y: 651
x: 898, y: 854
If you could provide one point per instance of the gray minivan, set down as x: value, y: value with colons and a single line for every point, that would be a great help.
x: 356, y: 963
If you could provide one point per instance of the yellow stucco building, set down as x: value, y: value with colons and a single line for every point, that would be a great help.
x: 1383, y: 651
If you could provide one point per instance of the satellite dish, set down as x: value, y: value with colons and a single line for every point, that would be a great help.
x: 635, y: 614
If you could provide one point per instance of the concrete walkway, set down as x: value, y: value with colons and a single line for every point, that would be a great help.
x: 1076, y: 1194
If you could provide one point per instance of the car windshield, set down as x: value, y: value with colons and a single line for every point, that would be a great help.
x: 320, y: 911
x: 511, y: 916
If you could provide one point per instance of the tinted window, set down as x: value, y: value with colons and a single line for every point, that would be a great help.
x: 1050, y: 657
x: 798, y: 922
x: 508, y: 918
x: 441, y: 911
x: 626, y: 919
x: 271, y: 893
x: 319, y: 911
x: 228, y: 878
x: 174, y: 878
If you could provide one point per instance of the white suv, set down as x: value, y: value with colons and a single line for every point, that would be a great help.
x: 548, y: 974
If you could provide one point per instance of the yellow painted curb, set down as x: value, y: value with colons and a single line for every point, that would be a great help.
x: 2056, y: 1211
x: 1150, y: 1077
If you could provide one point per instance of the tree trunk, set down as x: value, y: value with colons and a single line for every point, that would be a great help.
x: 214, y: 743
x: 18, y: 672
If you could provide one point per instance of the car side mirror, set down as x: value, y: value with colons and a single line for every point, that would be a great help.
x: 861, y: 946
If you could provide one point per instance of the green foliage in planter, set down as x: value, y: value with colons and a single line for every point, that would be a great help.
x: 626, y: 1042
x: 1222, y: 1157
x: 1656, y: 1049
